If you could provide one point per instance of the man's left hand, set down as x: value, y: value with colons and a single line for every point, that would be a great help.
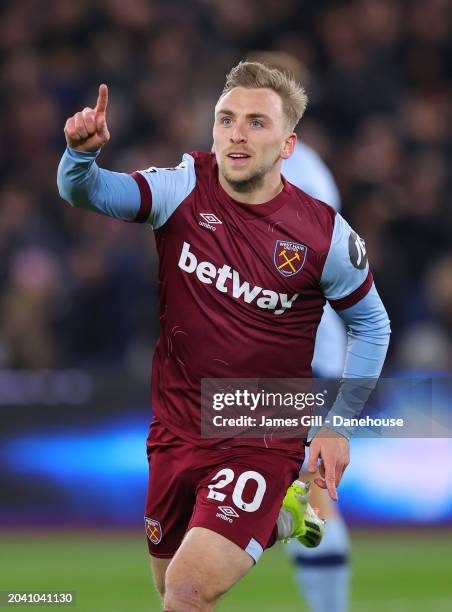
x: 333, y: 450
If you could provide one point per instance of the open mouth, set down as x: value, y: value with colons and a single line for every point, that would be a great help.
x: 238, y: 158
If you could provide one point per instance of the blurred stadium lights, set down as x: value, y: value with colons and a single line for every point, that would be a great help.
x: 72, y: 450
x: 72, y: 386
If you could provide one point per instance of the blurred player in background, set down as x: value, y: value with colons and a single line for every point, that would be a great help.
x: 212, y: 217
x: 323, y: 572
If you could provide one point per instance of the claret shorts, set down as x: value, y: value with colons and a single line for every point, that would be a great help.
x: 236, y: 492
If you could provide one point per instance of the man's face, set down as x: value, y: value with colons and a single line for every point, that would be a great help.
x: 250, y: 137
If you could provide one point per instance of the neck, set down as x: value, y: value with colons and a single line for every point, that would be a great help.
x: 272, y: 185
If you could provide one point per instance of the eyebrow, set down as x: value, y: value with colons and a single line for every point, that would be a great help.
x: 226, y: 111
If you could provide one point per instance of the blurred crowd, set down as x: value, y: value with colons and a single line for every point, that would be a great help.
x: 77, y: 289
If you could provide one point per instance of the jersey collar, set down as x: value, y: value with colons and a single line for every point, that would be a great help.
x: 251, y: 211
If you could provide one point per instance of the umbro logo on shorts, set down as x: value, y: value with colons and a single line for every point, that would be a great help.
x: 154, y: 530
x: 209, y: 221
x: 227, y: 514
x: 228, y: 510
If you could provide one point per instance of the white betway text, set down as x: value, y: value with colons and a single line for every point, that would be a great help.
x: 207, y: 273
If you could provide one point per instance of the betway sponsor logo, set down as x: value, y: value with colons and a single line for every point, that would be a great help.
x: 209, y: 274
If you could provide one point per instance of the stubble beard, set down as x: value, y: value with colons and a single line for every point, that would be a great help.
x: 252, y: 182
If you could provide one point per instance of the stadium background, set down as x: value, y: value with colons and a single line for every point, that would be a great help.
x: 78, y: 295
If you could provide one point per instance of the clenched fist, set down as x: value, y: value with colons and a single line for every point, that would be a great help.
x: 88, y: 131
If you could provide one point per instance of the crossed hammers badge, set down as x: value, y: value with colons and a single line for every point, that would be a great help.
x: 289, y: 257
x: 154, y: 530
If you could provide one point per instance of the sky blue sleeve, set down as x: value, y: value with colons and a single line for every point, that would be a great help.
x: 146, y: 196
x: 346, y: 277
x: 167, y: 188
x: 306, y: 169
x: 368, y: 331
x: 83, y: 184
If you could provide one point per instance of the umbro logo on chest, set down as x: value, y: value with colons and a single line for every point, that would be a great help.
x: 209, y: 221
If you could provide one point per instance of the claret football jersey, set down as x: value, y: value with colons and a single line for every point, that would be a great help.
x: 242, y: 287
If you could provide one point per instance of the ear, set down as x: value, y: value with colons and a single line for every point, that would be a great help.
x: 288, y: 146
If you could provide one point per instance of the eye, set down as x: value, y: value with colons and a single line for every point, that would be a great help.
x: 255, y: 123
x: 225, y: 121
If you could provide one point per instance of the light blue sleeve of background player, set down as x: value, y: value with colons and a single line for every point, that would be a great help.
x: 83, y: 184
x: 340, y: 277
x: 306, y: 169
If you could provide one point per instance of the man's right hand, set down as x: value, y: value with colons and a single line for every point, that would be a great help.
x: 87, y: 130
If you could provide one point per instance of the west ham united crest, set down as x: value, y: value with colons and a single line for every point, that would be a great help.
x: 154, y: 530
x: 289, y: 257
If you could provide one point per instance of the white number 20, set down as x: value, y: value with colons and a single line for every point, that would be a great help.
x: 226, y: 476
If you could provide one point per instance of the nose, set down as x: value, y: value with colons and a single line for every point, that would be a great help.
x: 237, y: 134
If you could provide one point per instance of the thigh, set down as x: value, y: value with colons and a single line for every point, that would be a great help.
x: 171, y: 493
x: 207, y: 563
x: 241, y: 498
x: 158, y: 568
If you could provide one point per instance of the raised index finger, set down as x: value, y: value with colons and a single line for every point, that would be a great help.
x: 102, y: 99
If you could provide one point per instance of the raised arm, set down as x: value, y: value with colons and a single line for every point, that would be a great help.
x: 80, y: 180
x: 148, y: 196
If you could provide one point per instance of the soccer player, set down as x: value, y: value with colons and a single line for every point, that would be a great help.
x: 246, y: 262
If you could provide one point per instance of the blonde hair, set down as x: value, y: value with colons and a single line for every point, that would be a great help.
x: 256, y: 75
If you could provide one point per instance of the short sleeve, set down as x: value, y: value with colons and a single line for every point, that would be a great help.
x: 163, y: 189
x: 346, y: 277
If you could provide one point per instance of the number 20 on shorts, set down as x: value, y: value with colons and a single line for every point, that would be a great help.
x: 225, y: 476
